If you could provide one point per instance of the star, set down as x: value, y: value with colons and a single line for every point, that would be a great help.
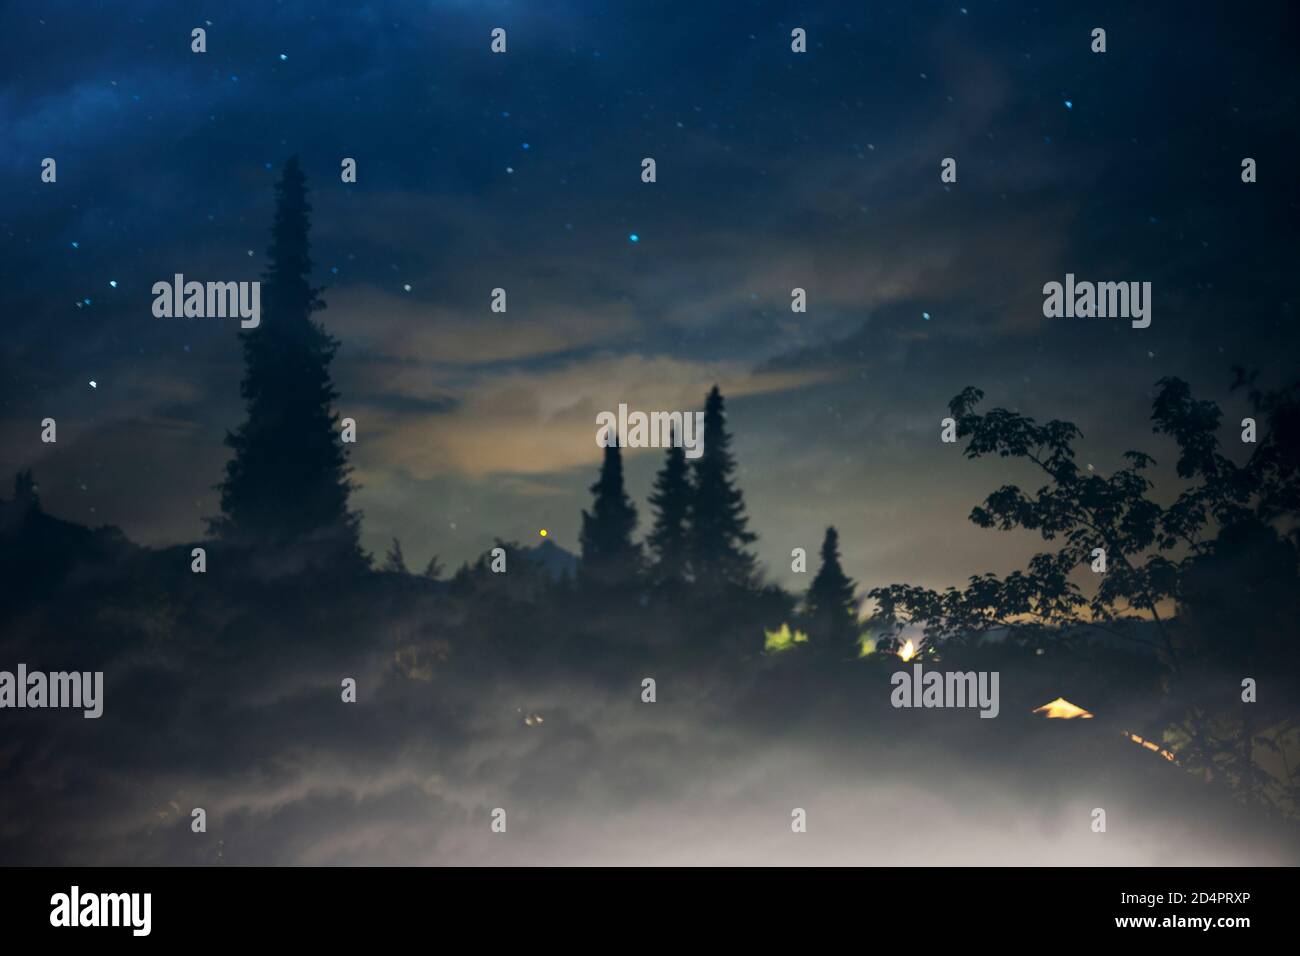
x: 634, y: 238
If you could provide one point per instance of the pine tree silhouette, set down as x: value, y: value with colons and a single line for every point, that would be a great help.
x: 830, y: 606
x: 395, y: 561
x: 287, y: 484
x: 718, y: 521
x: 609, y: 556
x: 670, y: 538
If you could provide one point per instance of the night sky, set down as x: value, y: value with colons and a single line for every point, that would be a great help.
x: 522, y: 171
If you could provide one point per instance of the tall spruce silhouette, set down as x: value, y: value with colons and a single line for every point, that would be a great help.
x: 609, y: 555
x: 830, y: 607
x: 287, y: 483
x: 718, y: 521
x: 670, y: 537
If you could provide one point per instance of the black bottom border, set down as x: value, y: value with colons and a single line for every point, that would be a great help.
x: 337, y: 905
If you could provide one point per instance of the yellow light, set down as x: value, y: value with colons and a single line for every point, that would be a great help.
x: 1155, y: 748
x: 1062, y: 709
x: 777, y: 641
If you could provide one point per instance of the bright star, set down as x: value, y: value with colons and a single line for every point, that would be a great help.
x: 634, y: 237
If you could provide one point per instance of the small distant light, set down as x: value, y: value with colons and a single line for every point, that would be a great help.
x: 283, y: 57
x: 634, y: 238
x: 112, y: 283
x: 94, y: 384
x: 1069, y: 104
x: 407, y: 287
x: 526, y: 146
x: 926, y: 316
x: 86, y: 300
x: 76, y: 245
x: 542, y: 532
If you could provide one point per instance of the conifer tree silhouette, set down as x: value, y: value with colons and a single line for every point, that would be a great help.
x: 718, y: 521
x: 395, y: 561
x: 830, y: 606
x: 669, y: 539
x: 287, y: 483
x: 609, y: 555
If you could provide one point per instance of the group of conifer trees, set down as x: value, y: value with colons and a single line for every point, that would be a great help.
x: 287, y: 484
x: 699, y: 536
x: 700, y: 530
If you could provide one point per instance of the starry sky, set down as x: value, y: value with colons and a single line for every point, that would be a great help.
x: 522, y: 171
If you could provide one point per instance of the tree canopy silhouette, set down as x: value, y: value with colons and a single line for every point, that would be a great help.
x: 287, y: 484
x: 719, y: 535
x: 670, y: 537
x: 830, y: 607
x: 609, y: 555
x: 1209, y: 580
x: 394, y: 560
